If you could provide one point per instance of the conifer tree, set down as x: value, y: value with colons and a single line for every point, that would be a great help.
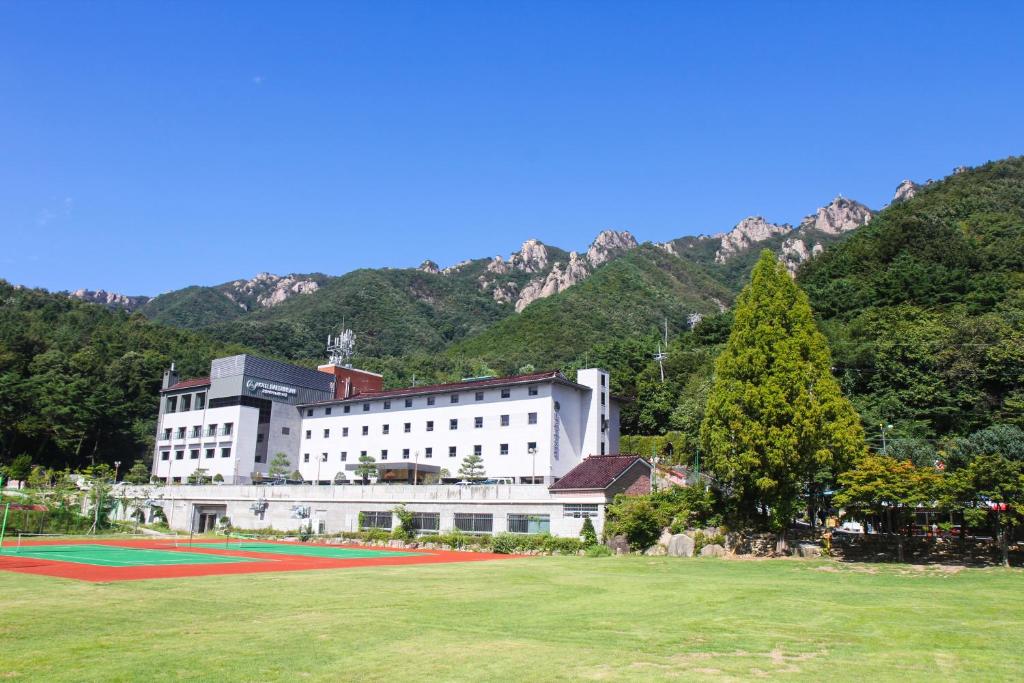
x: 472, y: 468
x: 776, y: 423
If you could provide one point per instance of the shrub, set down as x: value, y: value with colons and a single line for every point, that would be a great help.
x: 218, y: 478
x: 405, y: 531
x: 635, y: 517
x: 505, y: 544
x: 598, y: 551
x: 588, y: 534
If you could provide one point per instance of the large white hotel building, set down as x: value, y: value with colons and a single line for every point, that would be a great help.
x: 530, y: 428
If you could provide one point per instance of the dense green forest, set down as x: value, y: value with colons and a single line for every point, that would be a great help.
x: 923, y: 310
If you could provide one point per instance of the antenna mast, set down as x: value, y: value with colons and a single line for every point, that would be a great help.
x: 660, y: 356
x: 341, y: 348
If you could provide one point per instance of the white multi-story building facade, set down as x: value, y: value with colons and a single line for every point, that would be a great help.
x: 530, y: 428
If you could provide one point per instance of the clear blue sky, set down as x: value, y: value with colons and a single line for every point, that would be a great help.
x: 146, y: 146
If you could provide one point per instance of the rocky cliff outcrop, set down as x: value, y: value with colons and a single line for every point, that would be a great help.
x: 745, y: 234
x: 905, y: 191
x: 268, y: 289
x: 795, y: 251
x: 839, y: 216
x: 609, y: 244
x: 110, y: 299
x: 559, y: 279
x: 429, y: 266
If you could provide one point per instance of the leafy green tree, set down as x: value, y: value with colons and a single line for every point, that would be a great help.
x: 405, y: 529
x: 138, y: 473
x: 366, y: 468
x: 199, y: 476
x: 279, y: 465
x: 776, y: 417
x: 472, y: 468
x: 39, y: 478
x: 888, y: 488
x: 20, y: 468
x: 296, y: 476
x: 990, y: 484
x: 636, y: 518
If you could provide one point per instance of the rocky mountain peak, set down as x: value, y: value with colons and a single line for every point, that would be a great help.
x: 839, y: 216
x: 429, y: 266
x: 532, y: 257
x: 746, y: 233
x: 609, y: 243
x: 905, y: 191
x: 110, y: 299
x: 560, y: 278
x: 269, y: 289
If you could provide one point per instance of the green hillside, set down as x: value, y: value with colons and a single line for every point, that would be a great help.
x: 626, y: 298
x: 80, y: 381
x: 192, y: 308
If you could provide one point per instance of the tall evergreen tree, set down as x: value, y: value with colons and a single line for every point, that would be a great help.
x: 776, y: 424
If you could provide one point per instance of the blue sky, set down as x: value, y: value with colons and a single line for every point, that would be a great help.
x: 147, y: 146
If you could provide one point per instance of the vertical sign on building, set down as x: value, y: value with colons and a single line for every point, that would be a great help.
x: 554, y: 436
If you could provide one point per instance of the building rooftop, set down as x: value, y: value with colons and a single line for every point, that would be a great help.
x: 466, y: 385
x: 597, y: 472
x: 189, y: 384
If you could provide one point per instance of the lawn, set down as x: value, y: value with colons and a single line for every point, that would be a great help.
x: 623, y: 618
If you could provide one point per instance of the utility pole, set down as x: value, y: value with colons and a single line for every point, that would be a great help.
x: 882, y: 428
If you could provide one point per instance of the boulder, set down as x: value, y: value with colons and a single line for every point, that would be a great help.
x: 713, y: 550
x: 681, y: 545
x: 807, y: 550
x: 665, y: 537
x: 619, y: 545
x: 711, y: 531
x: 656, y: 550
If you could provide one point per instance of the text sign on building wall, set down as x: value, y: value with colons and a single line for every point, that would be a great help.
x: 270, y: 389
x: 554, y: 437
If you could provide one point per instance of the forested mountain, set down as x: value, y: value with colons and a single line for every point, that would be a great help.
x: 923, y: 307
x: 80, y: 382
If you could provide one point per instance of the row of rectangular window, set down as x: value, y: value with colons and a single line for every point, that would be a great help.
x: 197, y: 431
x: 469, y: 522
x: 478, y: 449
x: 193, y: 454
x: 453, y: 424
x: 184, y: 403
x: 431, y: 400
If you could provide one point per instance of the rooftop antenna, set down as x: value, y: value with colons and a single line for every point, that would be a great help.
x: 341, y: 348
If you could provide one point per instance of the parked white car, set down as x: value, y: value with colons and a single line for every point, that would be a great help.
x: 852, y: 527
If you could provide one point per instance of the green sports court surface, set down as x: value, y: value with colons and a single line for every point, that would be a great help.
x: 303, y: 550
x: 101, y: 555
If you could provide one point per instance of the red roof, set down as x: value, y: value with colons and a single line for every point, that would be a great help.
x: 190, y: 384
x: 597, y: 472
x: 547, y: 376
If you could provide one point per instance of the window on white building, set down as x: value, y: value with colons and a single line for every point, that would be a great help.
x: 407, y: 427
x: 529, y: 524
x: 344, y: 456
x: 503, y: 449
x: 309, y: 412
x: 504, y: 420
x: 186, y: 403
x: 200, y: 400
x: 305, y: 457
x: 366, y: 430
x: 452, y: 452
x: 167, y: 434
x: 385, y: 429
x: 323, y: 457
x: 533, y: 391
x: 408, y: 403
x: 196, y: 432
x: 532, y: 418
x: 430, y: 425
x: 286, y: 430
x: 454, y: 398
x: 165, y: 455
x: 327, y: 433
x: 180, y: 434
x: 227, y: 428
x: 405, y: 454
x: 346, y: 409
x: 426, y: 521
x: 366, y: 407
x: 171, y: 404
x: 428, y: 452
x: 225, y: 452
x: 531, y: 446
x: 479, y: 396
x: 579, y: 510
x: 209, y: 452
x: 453, y: 423
x: 344, y: 431
x: 478, y: 422
x: 309, y: 433
x: 430, y: 400
x: 478, y: 450
x: 387, y: 404
x: 327, y: 411
x: 211, y: 429
x: 506, y: 393
x: 375, y: 519
x: 474, y: 522
x: 383, y: 454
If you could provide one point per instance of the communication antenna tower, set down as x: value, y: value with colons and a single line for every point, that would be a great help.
x: 341, y: 348
x: 660, y: 356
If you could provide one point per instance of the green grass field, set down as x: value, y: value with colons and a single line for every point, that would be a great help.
x: 632, y: 618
